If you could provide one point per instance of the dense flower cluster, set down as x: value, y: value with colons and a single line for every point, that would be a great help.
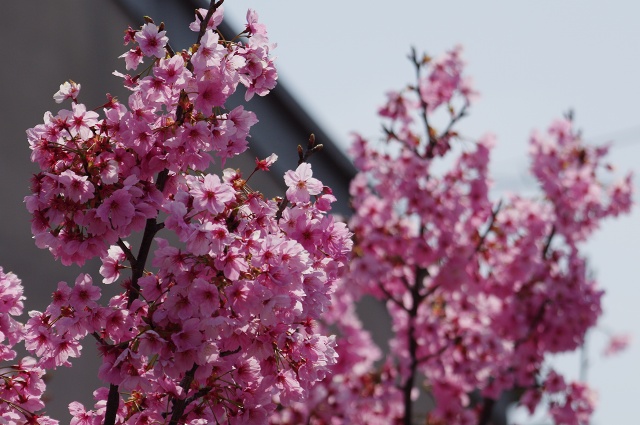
x: 228, y: 299
x: 479, y: 292
x: 97, y: 180
x: 22, y: 385
x: 221, y: 328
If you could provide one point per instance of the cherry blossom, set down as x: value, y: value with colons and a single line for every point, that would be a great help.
x: 301, y: 183
x: 211, y: 194
x: 264, y: 164
x: 240, y: 309
x: 617, y: 343
x: 151, y: 40
x: 479, y: 291
x: 218, y: 327
x: 68, y: 90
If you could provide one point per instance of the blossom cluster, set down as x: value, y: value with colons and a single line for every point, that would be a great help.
x: 22, y: 382
x: 240, y: 309
x: 97, y: 180
x: 219, y: 327
x: 479, y: 292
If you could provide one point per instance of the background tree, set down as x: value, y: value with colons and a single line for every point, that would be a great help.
x: 480, y: 292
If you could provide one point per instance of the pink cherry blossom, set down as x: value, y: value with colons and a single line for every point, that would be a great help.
x: 79, y: 120
x: 264, y: 164
x: 151, y: 40
x: 209, y: 54
x: 211, y: 194
x: 213, y: 23
x: 301, y: 183
x: 617, y: 343
x: 133, y: 58
x: 68, y: 90
x: 78, y: 188
x: 112, y: 263
x: 479, y: 292
x: 117, y: 210
x: 238, y: 308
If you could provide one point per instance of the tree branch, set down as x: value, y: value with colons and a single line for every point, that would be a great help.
x: 412, y: 344
x: 151, y: 228
x: 492, y: 221
x: 113, y: 400
x: 432, y: 140
x: 180, y: 404
x: 391, y: 297
x: 213, y: 6
x: 487, y: 409
x: 547, y: 245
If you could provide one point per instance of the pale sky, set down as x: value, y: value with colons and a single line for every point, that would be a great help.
x: 531, y: 62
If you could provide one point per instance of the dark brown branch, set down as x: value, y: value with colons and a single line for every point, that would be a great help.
x: 98, y: 338
x: 151, y: 228
x: 137, y: 270
x: 391, y: 297
x: 547, y: 245
x: 127, y: 252
x: 534, y: 323
x: 180, y: 405
x: 454, y: 120
x: 200, y: 393
x: 113, y: 399
x: 437, y: 353
x: 492, y: 221
x: 213, y: 6
x: 230, y: 352
x: 416, y: 300
x: 170, y: 50
x: 487, y: 409
x: 432, y: 140
x: 405, y: 282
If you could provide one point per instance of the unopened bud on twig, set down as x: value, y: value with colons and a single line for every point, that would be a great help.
x: 300, y: 153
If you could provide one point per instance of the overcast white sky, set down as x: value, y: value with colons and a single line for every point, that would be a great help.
x: 531, y: 62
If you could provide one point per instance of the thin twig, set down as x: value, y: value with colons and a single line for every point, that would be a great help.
x: 391, y: 297
x: 432, y: 141
x: 213, y: 6
x: 436, y: 354
x: 547, y: 245
x: 483, y: 237
x: 455, y: 119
